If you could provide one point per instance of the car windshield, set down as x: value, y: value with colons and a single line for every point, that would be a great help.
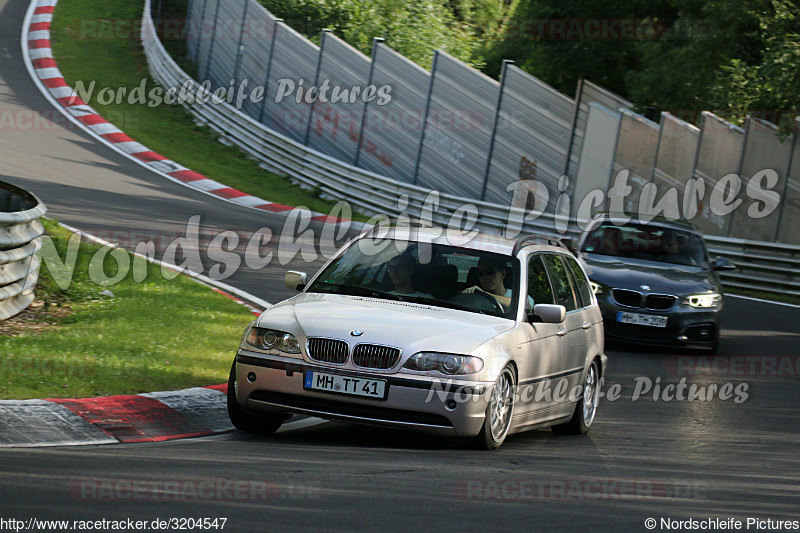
x: 651, y: 243
x: 430, y: 274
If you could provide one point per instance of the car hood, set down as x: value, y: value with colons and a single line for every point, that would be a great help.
x: 660, y: 277
x: 409, y: 326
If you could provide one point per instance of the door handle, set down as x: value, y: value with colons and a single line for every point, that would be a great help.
x: 561, y: 332
x: 586, y: 325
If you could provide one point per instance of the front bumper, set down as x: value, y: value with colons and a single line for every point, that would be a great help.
x: 686, y: 326
x: 436, y: 407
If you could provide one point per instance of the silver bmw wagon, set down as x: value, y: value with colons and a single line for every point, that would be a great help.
x: 414, y: 328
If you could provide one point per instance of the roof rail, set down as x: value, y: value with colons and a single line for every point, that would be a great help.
x: 539, y: 238
x: 410, y: 222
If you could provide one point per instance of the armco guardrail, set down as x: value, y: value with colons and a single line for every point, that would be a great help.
x: 767, y: 267
x: 763, y: 266
x: 20, y: 240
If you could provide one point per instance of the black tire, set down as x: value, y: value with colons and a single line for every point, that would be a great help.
x: 586, y: 407
x: 246, y: 420
x: 499, y: 412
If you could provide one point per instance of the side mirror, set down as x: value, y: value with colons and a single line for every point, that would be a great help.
x: 548, y: 313
x: 295, y: 280
x: 723, y: 263
x: 570, y: 243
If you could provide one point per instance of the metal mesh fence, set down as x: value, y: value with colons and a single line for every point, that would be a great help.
x: 253, y: 68
x: 458, y: 128
x: 392, y: 129
x: 455, y: 130
x: 336, y: 123
x: 790, y: 215
x: 532, y: 136
x: 586, y: 94
x: 636, y: 149
x: 596, y: 164
x: 675, y: 161
x: 719, y: 155
x: 764, y: 152
x: 294, y: 60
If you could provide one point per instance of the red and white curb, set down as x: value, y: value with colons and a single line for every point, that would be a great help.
x: 149, y: 417
x: 43, y: 69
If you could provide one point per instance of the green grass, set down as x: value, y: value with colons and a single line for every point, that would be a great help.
x: 149, y: 336
x: 92, y: 40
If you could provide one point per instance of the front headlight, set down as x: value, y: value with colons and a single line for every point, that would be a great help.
x: 703, y: 301
x: 271, y: 339
x: 596, y: 287
x: 446, y: 363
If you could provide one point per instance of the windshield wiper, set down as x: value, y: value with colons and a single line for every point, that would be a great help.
x: 358, y: 290
x: 445, y: 303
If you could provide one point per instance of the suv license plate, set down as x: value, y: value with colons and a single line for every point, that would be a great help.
x: 369, y: 388
x: 642, y: 320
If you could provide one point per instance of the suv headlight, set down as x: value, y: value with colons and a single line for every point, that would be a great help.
x: 271, y: 339
x: 703, y: 301
x: 596, y: 287
x: 446, y: 363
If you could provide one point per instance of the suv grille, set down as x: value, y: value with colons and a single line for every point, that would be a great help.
x: 327, y: 350
x: 375, y: 356
x: 659, y: 302
x: 628, y: 298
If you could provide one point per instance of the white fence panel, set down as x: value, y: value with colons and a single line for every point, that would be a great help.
x: 458, y: 128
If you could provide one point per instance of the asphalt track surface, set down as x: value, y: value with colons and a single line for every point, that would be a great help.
x: 643, y: 459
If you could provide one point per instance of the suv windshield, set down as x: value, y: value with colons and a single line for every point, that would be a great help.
x: 652, y: 243
x: 447, y: 276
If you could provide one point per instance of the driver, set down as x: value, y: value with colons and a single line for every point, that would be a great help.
x: 490, y: 280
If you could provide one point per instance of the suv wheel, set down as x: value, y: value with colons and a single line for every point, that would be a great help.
x: 586, y: 408
x: 499, y: 412
x: 246, y: 420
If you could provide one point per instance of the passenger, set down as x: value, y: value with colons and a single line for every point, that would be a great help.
x: 401, y: 270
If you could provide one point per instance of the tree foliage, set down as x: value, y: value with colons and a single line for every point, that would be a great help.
x: 415, y: 29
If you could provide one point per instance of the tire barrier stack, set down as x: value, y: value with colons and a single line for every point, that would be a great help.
x: 20, y: 240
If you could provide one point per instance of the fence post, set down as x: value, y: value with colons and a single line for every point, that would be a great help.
x: 373, y: 56
x: 240, y: 48
x: 786, y: 182
x: 200, y: 24
x: 322, y: 40
x: 575, y: 115
x: 425, y: 116
x: 613, y: 154
x: 275, y: 27
x: 213, y: 38
x: 506, y: 62
x: 747, y: 120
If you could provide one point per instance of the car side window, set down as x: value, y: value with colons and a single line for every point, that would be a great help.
x: 562, y: 284
x: 538, y: 282
x: 583, y: 289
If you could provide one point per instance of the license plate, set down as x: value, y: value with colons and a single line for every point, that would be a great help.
x: 642, y: 320
x: 369, y: 388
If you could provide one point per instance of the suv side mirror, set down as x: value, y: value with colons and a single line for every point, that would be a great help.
x: 723, y: 263
x: 295, y: 280
x: 548, y: 313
